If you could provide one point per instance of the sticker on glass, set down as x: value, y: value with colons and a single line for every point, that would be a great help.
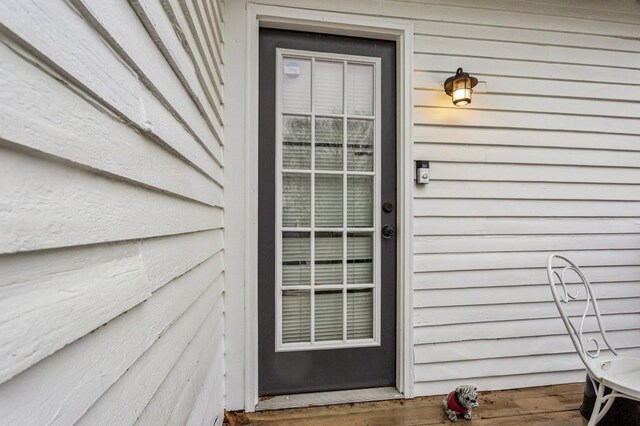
x: 292, y: 69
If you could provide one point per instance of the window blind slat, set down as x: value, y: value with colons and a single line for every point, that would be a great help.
x: 328, y: 199
x: 328, y: 143
x: 360, y: 258
x: 328, y: 317
x: 328, y: 259
x: 296, y: 316
x: 360, y: 145
x: 296, y: 200
x: 327, y: 81
x: 296, y: 142
x: 296, y: 258
x: 360, y: 201
x: 360, y: 314
x: 360, y: 89
x: 296, y: 85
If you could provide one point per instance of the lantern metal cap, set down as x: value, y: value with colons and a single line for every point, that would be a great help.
x: 460, y: 74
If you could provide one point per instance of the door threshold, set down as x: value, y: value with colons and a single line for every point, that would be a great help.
x: 302, y: 400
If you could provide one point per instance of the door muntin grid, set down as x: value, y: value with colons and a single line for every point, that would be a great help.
x: 327, y: 193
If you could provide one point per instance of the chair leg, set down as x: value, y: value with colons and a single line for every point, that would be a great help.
x: 610, y: 398
x: 596, y: 406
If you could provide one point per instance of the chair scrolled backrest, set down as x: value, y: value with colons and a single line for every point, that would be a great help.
x: 557, y: 275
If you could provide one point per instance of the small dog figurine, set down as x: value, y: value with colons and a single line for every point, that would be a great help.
x: 461, y: 401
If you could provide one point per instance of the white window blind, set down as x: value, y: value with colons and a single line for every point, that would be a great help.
x: 328, y: 180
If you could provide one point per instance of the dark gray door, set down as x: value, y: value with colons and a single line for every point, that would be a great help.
x: 327, y: 213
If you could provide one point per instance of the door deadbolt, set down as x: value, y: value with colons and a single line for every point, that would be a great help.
x: 387, y: 207
x: 388, y: 231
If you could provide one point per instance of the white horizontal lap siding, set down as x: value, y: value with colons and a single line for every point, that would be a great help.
x: 111, y: 212
x: 544, y: 159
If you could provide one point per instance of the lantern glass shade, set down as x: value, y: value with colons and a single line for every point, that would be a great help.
x: 461, y: 94
x: 460, y: 87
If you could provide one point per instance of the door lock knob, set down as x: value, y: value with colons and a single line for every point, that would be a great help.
x: 388, y: 231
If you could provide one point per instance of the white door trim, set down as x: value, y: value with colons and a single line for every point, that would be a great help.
x: 341, y: 24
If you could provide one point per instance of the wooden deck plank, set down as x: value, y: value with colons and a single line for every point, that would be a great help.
x: 548, y: 405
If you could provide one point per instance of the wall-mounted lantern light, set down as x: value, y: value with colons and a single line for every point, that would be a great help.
x: 459, y: 87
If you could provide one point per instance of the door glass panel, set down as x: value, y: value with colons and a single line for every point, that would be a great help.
x: 327, y: 81
x: 360, y: 314
x: 360, y: 89
x: 328, y: 315
x: 360, y: 258
x: 296, y: 85
x: 332, y: 265
x: 296, y: 142
x: 296, y: 200
x: 296, y: 316
x: 328, y: 258
x: 296, y: 258
x: 360, y: 145
x: 328, y: 201
x: 329, y: 143
x: 360, y: 201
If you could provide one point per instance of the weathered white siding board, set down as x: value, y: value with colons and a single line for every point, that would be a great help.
x: 545, y: 158
x: 511, y: 243
x: 520, y: 68
x: 557, y: 37
x: 518, y: 260
x: 529, y: 294
x: 63, y: 306
x: 44, y: 316
x: 117, y: 405
x: 184, y: 12
x: 209, y: 34
x: 185, y: 397
x: 463, y: 46
x: 478, y: 153
x: 525, y: 346
x: 54, y: 205
x: 527, y: 191
x: 510, y: 15
x: 167, y: 37
x: 120, y: 25
x: 210, y: 403
x: 88, y: 62
x: 89, y: 137
x: 534, y: 364
x: 53, y: 387
x: 524, y: 226
x: 548, y: 90
x: 164, y: 404
x: 509, y: 119
x: 524, y: 138
x: 513, y: 381
x: 470, y: 171
x: 443, y: 315
x: 516, y: 277
x: 572, y: 208
x: 429, y: 338
x: 112, y: 245
x: 600, y: 109
x: 614, y: 12
x: 218, y: 19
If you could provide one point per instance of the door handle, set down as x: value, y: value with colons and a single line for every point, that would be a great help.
x: 388, y: 231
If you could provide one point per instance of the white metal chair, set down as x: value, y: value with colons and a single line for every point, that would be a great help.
x: 620, y: 374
